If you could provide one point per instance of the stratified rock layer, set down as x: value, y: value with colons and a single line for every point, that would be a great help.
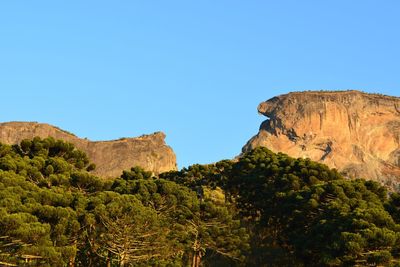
x: 111, y: 157
x: 355, y: 132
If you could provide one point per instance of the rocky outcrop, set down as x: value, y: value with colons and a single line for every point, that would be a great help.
x: 355, y: 132
x: 111, y: 157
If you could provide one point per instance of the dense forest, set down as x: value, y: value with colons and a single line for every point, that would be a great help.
x: 263, y: 209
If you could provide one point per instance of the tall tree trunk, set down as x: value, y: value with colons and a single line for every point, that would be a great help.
x: 71, y: 262
x: 108, y: 261
x: 122, y: 260
x: 196, y: 260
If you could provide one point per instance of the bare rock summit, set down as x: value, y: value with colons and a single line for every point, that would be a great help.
x: 111, y: 157
x: 354, y: 132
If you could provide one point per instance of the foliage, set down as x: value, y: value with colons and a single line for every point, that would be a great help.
x: 263, y: 209
x: 55, y: 213
x: 305, y: 214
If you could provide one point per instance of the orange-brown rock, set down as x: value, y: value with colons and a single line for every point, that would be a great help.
x: 355, y: 132
x: 111, y: 157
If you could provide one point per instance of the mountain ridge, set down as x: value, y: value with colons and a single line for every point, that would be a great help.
x: 110, y: 156
x: 358, y: 133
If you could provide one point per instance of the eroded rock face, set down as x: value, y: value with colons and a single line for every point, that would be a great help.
x: 355, y: 132
x: 111, y: 157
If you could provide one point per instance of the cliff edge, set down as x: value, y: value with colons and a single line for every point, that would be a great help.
x: 354, y: 132
x: 111, y: 157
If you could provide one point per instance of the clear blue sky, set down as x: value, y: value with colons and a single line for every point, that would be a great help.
x: 194, y: 69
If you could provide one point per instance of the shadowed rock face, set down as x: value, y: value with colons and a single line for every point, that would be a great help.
x: 355, y: 132
x: 111, y: 157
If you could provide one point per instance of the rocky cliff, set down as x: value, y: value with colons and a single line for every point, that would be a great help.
x: 355, y: 132
x: 111, y: 157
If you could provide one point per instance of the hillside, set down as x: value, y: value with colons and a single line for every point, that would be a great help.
x: 355, y: 132
x: 111, y: 157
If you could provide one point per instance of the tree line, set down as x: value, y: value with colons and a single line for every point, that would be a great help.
x: 264, y: 209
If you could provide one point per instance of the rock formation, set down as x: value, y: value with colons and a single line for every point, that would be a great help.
x: 355, y: 132
x: 111, y: 157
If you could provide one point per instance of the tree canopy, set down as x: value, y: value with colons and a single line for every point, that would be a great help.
x: 263, y: 209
